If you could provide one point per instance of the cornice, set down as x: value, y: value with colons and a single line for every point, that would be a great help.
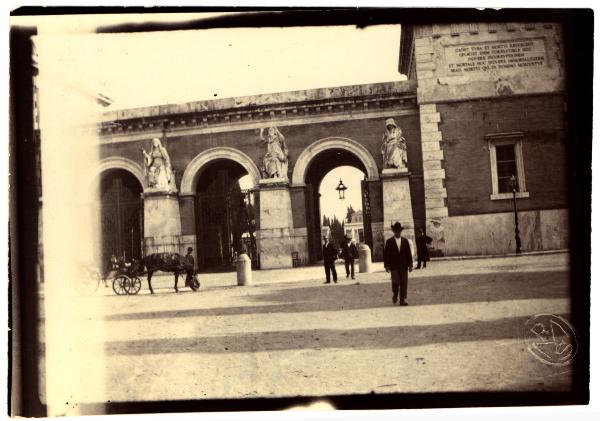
x: 243, y: 117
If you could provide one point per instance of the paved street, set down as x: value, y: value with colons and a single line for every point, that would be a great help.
x: 463, y: 331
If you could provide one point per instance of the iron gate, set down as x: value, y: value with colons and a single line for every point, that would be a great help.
x: 226, y: 225
x: 120, y: 217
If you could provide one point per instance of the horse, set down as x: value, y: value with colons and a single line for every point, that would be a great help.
x: 165, y: 262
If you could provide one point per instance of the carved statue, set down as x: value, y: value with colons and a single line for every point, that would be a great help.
x: 393, y: 147
x: 157, y: 166
x: 275, y: 161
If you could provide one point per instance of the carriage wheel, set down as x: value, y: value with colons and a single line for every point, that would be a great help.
x: 121, y: 284
x: 133, y: 286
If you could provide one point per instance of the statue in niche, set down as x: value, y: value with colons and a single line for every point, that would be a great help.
x: 393, y: 147
x: 275, y: 161
x: 159, y: 173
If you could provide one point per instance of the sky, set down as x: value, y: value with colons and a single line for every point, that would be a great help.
x: 155, y: 68
x: 330, y: 202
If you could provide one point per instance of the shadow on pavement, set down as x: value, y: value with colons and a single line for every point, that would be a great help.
x: 421, y: 291
x: 317, y: 339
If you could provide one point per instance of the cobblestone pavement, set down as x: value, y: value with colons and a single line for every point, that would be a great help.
x: 463, y: 331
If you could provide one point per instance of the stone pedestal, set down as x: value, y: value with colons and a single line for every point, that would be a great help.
x: 274, y: 238
x: 364, y: 259
x: 244, y: 270
x: 162, y: 223
x: 397, y: 205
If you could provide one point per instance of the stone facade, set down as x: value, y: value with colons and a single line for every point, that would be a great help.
x: 482, y: 80
x: 314, y: 123
x: 470, y: 86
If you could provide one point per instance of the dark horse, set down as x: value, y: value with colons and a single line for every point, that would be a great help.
x: 167, y: 262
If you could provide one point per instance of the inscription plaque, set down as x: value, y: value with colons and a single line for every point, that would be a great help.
x: 493, y: 56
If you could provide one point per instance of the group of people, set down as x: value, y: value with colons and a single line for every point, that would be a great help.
x: 348, y: 252
x: 397, y: 259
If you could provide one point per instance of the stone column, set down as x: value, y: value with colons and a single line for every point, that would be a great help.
x: 276, y: 224
x: 162, y: 222
x: 397, y: 204
x: 187, y: 205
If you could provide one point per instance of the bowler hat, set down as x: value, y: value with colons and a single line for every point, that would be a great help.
x: 397, y: 226
x: 190, y: 249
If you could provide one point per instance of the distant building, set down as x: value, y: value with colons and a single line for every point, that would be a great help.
x: 354, y: 226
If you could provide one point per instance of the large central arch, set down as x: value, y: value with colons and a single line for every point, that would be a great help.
x: 352, y: 146
x: 188, y: 180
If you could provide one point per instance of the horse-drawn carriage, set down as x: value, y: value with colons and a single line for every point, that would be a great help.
x: 126, y: 275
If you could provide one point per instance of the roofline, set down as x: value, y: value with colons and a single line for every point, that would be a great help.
x: 264, y: 100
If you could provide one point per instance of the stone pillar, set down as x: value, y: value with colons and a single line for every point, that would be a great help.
x: 187, y: 205
x: 434, y: 175
x: 276, y: 224
x: 162, y: 223
x: 364, y: 259
x: 244, y: 270
x: 397, y: 205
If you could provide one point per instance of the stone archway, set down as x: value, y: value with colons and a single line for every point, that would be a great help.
x: 106, y: 164
x: 352, y: 146
x: 188, y: 180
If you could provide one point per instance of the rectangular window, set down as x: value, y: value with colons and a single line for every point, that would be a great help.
x: 361, y: 235
x: 506, y: 162
x: 506, y: 166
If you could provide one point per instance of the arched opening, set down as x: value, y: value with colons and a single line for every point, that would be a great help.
x: 225, y: 216
x: 322, y: 175
x: 121, y: 215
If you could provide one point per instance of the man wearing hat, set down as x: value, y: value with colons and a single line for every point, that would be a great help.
x: 397, y: 259
x: 349, y: 252
x: 330, y: 255
x: 189, y: 266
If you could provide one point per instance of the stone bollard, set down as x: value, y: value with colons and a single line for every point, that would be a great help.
x: 244, y: 270
x: 364, y: 259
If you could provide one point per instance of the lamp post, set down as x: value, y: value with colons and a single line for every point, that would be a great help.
x: 513, y: 186
x: 341, y: 189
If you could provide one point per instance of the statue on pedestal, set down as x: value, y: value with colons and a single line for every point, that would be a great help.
x: 275, y: 161
x: 157, y: 166
x: 393, y: 148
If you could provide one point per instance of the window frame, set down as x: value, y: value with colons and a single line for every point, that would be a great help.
x: 500, y: 139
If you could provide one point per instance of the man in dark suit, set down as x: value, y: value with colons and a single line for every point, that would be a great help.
x: 422, y: 250
x: 189, y: 265
x: 397, y: 259
x: 330, y: 255
x: 348, y: 252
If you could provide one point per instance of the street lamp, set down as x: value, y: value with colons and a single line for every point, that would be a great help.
x: 341, y: 189
x: 513, y: 186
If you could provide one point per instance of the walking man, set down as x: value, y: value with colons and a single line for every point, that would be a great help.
x: 398, y: 260
x: 422, y: 250
x: 330, y: 254
x: 349, y: 252
x: 189, y: 265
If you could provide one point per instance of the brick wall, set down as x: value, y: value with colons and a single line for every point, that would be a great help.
x: 467, y: 157
x: 368, y: 132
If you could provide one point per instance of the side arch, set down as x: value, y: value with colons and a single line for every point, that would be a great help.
x: 188, y: 181
x: 352, y: 146
x: 111, y: 163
